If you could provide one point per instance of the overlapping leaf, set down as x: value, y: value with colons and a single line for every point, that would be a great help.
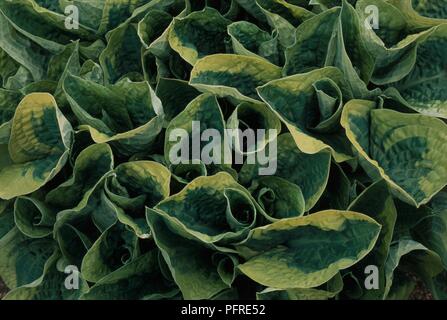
x: 127, y: 159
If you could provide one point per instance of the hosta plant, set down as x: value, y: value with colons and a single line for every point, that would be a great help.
x: 352, y: 94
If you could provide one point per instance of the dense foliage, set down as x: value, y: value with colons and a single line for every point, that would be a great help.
x: 86, y: 180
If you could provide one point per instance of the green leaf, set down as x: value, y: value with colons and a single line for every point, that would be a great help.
x: 219, y: 149
x: 173, y: 104
x: 122, y: 56
x: 22, y: 259
x: 49, y: 286
x: 33, y: 218
x: 415, y: 20
x: 278, y: 197
x: 253, y: 9
x: 432, y: 9
x: 32, y: 57
x: 324, y: 292
x: 77, y: 228
x: 22, y: 80
x: 38, y: 146
x: 197, y: 278
x: 89, y: 168
x: 284, y: 17
x: 128, y: 115
x: 310, y: 105
x: 376, y: 202
x: 199, y: 34
x: 305, y: 252
x: 397, y: 252
x: 348, y: 52
x: 214, y: 209
x: 392, y: 26
x: 118, y: 12
x: 140, y: 279
x: 339, y: 190
x: 115, y: 248
x: 309, y: 172
x: 311, y: 45
x: 431, y: 229
x: 8, y: 67
x: 6, y: 217
x: 160, y: 47
x: 200, y: 114
x: 134, y: 185
x: 405, y: 149
x: 42, y: 26
x: 152, y: 26
x: 60, y: 66
x: 294, y: 14
x: 395, y: 42
x: 255, y: 117
x: 9, y: 99
x: 235, y: 76
x: 248, y: 39
x: 423, y: 87
x: 185, y: 173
